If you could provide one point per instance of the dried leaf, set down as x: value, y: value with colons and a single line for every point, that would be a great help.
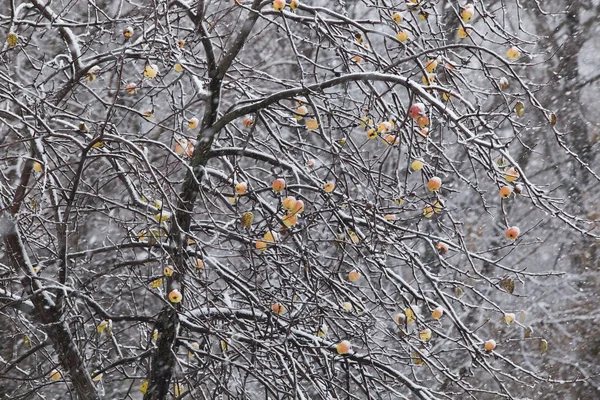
x: 508, y: 285
x: 543, y: 346
x: 528, y: 332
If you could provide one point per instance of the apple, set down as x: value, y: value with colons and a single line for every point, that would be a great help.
x: 431, y: 65
x: 289, y: 203
x: 428, y: 212
x: 128, y: 32
x: 278, y: 185
x: 323, y: 331
x: 423, y: 121
x: 278, y: 5
x: 248, y: 121
x: 310, y: 163
x: 512, y: 233
x: 301, y: 112
x: 511, y: 175
x: 416, y: 110
x: 131, y: 88
x: 397, y: 17
x: 329, y: 187
x: 343, y: 347
x: 353, y: 275
x: 489, y: 345
x: 260, y: 245
x: 150, y: 71
x: 91, y: 74
x: 241, y: 188
x: 175, y: 296
x: 417, y: 165
x: 365, y: 121
x: 434, y: 184
x: 298, y: 207
x: 294, y: 4
x: 505, y: 192
x: 271, y: 237
x: 37, y: 167
x: 278, y: 308
x: 509, y: 318
x: 464, y: 32
x: 54, y: 375
x: 437, y: 313
x: 467, y: 12
x: 199, y: 263
x: 425, y: 334
x: 391, y: 140
x: 518, y: 188
x: 347, y: 306
x: 402, y: 36
x: 384, y: 127
x: 371, y: 134
x: 290, y: 219
x: 193, y: 123
x: 181, y: 43
x: 503, y: 83
x: 389, y: 217
x: 513, y: 53
x: 312, y: 124
x: 442, y: 248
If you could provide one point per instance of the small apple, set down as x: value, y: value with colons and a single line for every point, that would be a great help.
x: 512, y: 233
x: 54, y: 375
x: 301, y: 112
x: 384, y: 127
x: 128, y: 32
x: 513, y: 53
x: 260, y: 245
x: 294, y: 4
x: 389, y: 217
x: 278, y: 308
x: 193, y: 123
x: 442, y: 248
x: 467, y: 13
x: 431, y: 65
x: 423, y: 121
x: 509, y: 318
x: 371, y: 134
x: 241, y: 188
x: 437, y: 313
x: 271, y: 237
x: 347, y: 306
x: 312, y: 124
x: 310, y: 163
x: 199, y: 264
x: 402, y: 36
x: 290, y: 219
x: 428, y: 212
x: 434, y: 184
x: 248, y: 121
x: 37, y: 167
x: 416, y: 110
x: 489, y: 345
x: 505, y: 192
x: 278, y: 185
x: 175, y: 296
x: 417, y: 165
x: 150, y: 71
x: 91, y: 74
x: 503, y: 83
x: 464, y: 32
x: 391, y: 139
x: 298, y: 207
x: 181, y: 43
x: 278, y: 5
x: 329, y: 187
x: 353, y: 275
x: 131, y: 88
x: 518, y: 189
x: 397, y: 17
x: 511, y: 175
x: 425, y: 334
x: 343, y: 347
x: 288, y: 203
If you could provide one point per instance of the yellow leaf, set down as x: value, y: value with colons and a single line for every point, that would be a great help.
x: 156, y: 283
x: 543, y: 346
x: 410, y: 315
x: 12, y: 39
x: 246, y: 220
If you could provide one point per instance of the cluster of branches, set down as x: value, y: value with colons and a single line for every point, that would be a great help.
x: 260, y: 199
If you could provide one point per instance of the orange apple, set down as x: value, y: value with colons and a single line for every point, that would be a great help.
x: 425, y: 334
x: 193, y: 123
x: 505, y: 191
x: 329, y: 187
x: 417, y: 165
x: 343, y: 347
x: 434, y: 184
x: 437, y: 313
x: 511, y: 175
x: 248, y: 121
x: 290, y: 219
x: 278, y: 5
x: 289, y: 203
x: 131, y: 88
x: 278, y: 185
x: 241, y: 188
x: 260, y: 245
x: 467, y: 12
x: 128, y: 32
x: 397, y: 17
x: 513, y: 53
x: 402, y: 36
x: 312, y: 124
x: 416, y: 110
x: 512, y: 233
x: 442, y: 248
x: 353, y: 275
x: 175, y: 296
x: 489, y: 345
x: 278, y: 308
